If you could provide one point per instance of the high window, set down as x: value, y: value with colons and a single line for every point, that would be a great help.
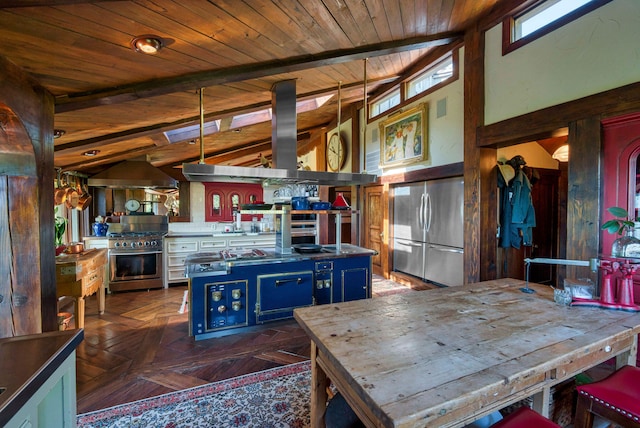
x: 385, y: 103
x: 543, y: 17
x: 431, y: 77
x: 416, y: 83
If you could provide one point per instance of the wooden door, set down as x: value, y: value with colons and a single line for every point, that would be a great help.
x: 544, y: 195
x: 376, y: 236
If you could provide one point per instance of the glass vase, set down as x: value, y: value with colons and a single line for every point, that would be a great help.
x: 626, y: 246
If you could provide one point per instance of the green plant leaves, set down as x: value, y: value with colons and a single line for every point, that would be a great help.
x: 620, y: 224
x: 618, y: 212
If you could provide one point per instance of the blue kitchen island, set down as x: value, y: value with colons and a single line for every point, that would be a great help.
x: 236, y: 290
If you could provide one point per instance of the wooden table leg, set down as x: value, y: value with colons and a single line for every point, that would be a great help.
x: 541, y: 401
x: 318, y: 391
x: 101, y: 294
x: 80, y: 312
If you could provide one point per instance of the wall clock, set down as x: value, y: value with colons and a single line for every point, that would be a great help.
x: 336, y: 152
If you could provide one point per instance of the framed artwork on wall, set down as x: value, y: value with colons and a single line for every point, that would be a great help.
x: 404, y: 137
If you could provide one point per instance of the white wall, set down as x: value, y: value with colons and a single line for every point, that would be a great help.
x: 595, y: 53
x: 445, y: 135
x: 533, y: 153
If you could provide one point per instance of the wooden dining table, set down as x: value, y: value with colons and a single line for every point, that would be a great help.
x: 446, y: 357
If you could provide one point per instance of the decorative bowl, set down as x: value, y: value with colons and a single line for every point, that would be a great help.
x: 320, y: 205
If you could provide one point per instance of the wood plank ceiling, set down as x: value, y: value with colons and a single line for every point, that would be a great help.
x: 113, y: 99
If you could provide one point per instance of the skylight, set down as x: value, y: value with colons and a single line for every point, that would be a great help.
x: 240, y: 120
x: 192, y: 132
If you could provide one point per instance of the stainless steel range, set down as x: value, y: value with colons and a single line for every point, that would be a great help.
x: 135, y: 253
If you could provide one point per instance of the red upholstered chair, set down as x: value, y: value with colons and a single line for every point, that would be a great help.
x: 524, y: 417
x: 615, y: 398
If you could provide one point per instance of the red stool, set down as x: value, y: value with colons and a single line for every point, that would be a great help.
x: 524, y: 417
x: 615, y: 398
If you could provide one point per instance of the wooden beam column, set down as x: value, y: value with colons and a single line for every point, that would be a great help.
x: 480, y: 217
x: 583, y: 202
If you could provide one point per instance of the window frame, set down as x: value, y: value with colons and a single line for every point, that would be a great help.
x: 402, y: 86
x: 508, y: 24
x: 391, y: 93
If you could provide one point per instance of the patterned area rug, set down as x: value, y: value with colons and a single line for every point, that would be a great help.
x: 275, y: 398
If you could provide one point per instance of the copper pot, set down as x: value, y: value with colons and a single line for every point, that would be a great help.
x: 74, y: 248
x: 60, y: 193
x: 72, y: 197
x: 84, y: 200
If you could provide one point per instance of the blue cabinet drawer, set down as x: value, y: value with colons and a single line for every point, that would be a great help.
x: 279, y: 293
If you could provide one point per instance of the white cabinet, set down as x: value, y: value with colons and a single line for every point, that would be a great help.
x: 176, y: 250
x: 258, y: 241
x: 212, y: 244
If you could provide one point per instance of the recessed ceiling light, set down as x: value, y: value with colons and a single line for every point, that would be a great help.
x: 57, y: 133
x: 147, y: 44
x: 91, y: 153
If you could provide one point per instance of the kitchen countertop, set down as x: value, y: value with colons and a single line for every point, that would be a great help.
x: 26, y: 362
x: 215, y: 235
x: 225, y: 266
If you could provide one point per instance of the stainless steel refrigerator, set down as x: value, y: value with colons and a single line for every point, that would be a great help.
x: 428, y: 230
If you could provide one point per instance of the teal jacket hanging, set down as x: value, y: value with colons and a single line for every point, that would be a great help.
x: 517, y: 214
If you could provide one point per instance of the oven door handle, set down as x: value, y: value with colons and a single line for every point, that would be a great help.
x: 132, y: 253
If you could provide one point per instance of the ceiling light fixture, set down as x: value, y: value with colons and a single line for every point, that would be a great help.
x: 147, y: 44
x: 57, y: 133
x: 91, y: 153
x: 561, y: 154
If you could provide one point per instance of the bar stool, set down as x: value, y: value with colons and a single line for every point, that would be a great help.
x: 524, y: 417
x: 615, y: 398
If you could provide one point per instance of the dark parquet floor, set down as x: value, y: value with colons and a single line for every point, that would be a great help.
x: 140, y: 347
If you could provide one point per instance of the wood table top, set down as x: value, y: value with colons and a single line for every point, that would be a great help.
x: 432, y: 357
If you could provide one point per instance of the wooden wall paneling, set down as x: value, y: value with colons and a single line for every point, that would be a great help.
x: 34, y: 107
x: 583, y: 202
x: 25, y: 255
x: 6, y: 316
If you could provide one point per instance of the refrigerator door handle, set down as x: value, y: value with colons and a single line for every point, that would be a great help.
x: 428, y: 211
x: 421, y: 212
x: 447, y: 250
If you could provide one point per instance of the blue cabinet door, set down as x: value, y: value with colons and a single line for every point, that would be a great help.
x: 352, y: 279
x: 281, y: 292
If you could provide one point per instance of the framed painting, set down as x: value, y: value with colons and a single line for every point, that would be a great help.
x: 403, y: 137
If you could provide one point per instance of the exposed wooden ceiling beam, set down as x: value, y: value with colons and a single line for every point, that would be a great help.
x: 225, y: 155
x: 163, y: 127
x: 151, y: 88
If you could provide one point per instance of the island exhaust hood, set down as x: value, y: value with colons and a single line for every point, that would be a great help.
x: 284, y: 142
x: 133, y: 174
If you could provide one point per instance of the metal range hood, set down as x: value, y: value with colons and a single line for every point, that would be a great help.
x: 284, y: 155
x: 133, y: 174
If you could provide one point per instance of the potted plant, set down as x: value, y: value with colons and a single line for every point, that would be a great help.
x: 60, y: 224
x: 626, y: 245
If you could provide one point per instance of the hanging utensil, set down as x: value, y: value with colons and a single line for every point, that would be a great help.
x: 60, y: 193
x: 72, y: 196
x: 85, y: 199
